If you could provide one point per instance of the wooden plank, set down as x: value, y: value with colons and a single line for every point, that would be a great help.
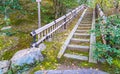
x: 63, y: 48
x: 78, y: 47
x: 78, y: 57
x: 92, y: 41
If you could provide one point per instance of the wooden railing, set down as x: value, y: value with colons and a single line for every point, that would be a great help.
x: 92, y: 40
x: 104, y: 19
x: 59, y: 24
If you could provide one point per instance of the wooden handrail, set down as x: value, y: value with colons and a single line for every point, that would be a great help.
x: 102, y: 15
x: 47, y: 30
x: 92, y: 40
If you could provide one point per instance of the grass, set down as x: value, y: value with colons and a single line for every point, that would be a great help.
x: 23, y: 42
x: 77, y: 52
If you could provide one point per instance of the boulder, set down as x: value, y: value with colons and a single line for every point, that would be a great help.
x: 4, y: 65
x: 26, y: 56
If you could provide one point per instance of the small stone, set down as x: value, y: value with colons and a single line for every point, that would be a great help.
x: 42, y: 47
x: 4, y: 65
x: 7, y: 27
x: 49, y: 39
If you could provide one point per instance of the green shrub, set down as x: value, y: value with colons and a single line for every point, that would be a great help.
x: 111, y: 30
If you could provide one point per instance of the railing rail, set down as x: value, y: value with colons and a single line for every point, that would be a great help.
x: 102, y: 28
x: 92, y: 40
x: 49, y: 29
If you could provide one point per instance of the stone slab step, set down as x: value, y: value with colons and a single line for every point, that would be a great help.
x: 84, y: 28
x: 86, y: 22
x: 81, y: 34
x: 79, y: 40
x: 78, y: 57
x: 82, y: 31
x: 85, y: 25
x: 78, y: 47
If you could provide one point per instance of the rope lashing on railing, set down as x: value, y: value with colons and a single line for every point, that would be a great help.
x: 34, y: 37
x: 75, y: 14
x: 65, y: 21
x: 51, y: 28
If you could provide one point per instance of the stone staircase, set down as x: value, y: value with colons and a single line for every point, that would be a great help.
x: 77, y: 45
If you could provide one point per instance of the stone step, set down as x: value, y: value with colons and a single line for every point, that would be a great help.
x: 86, y: 22
x: 85, y: 25
x: 84, y: 28
x: 88, y: 16
x: 82, y: 31
x: 76, y: 40
x: 78, y: 57
x: 81, y: 34
x: 78, y: 47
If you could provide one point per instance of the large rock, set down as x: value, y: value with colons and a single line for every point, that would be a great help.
x: 26, y: 56
x: 4, y: 65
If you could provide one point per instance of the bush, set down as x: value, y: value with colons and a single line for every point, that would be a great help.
x: 111, y: 30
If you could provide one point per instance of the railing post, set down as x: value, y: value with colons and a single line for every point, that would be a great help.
x: 34, y: 38
x: 39, y: 16
x: 96, y: 11
x: 65, y: 21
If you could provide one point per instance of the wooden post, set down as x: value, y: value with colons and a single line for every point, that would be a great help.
x: 65, y: 21
x: 39, y: 16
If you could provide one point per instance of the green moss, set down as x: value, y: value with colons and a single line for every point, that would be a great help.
x: 8, y: 54
x: 116, y: 63
x: 50, y: 54
x: 77, y: 52
x: 87, y: 65
x: 23, y: 43
x: 7, y: 42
